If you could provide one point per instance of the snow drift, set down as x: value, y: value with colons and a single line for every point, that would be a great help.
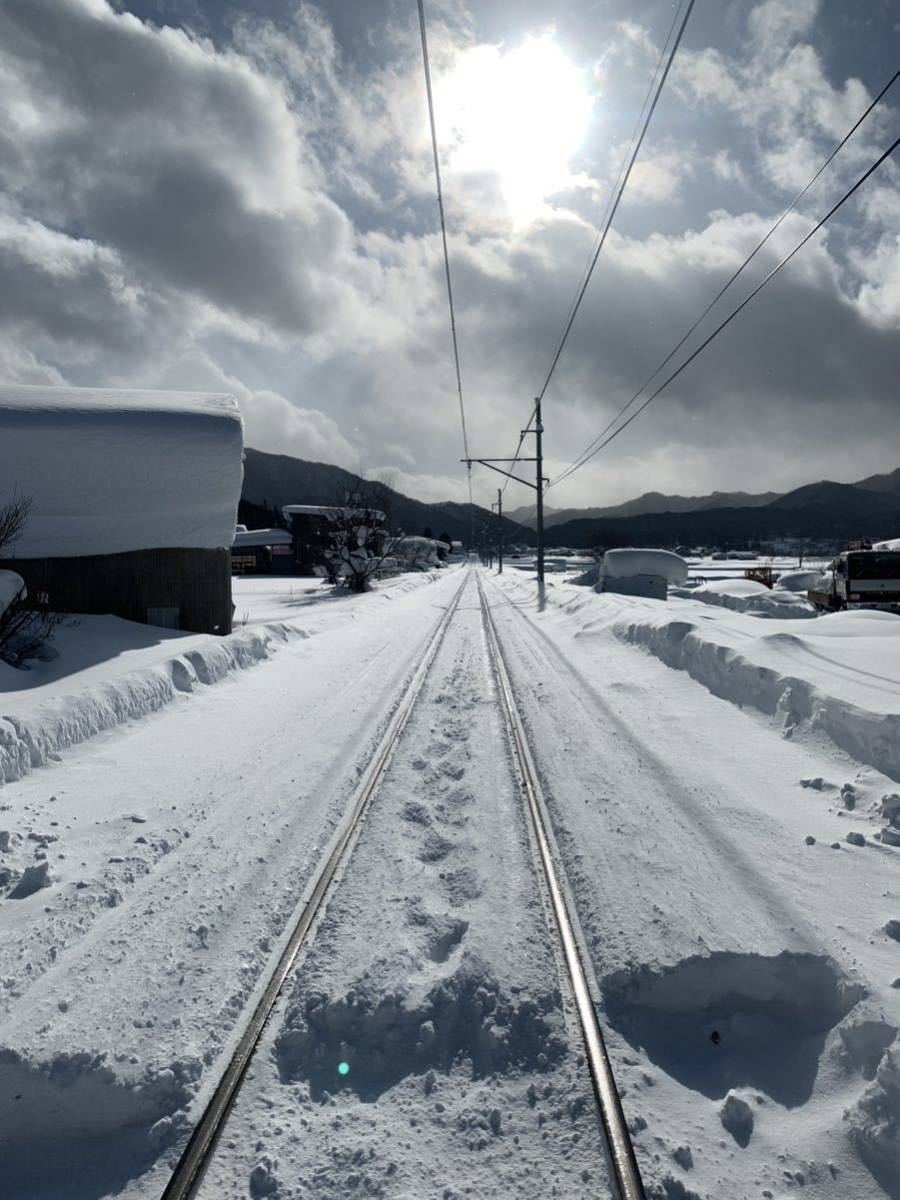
x: 840, y: 675
x: 112, y: 471
x: 33, y: 734
x: 750, y: 596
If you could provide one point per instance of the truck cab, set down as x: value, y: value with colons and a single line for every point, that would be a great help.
x: 861, y: 579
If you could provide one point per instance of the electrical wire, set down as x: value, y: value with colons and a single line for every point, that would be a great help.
x: 440, y: 200
x: 648, y: 117
x: 885, y: 155
x: 651, y: 97
x: 718, y: 296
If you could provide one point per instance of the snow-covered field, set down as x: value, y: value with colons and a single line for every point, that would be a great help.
x: 725, y: 792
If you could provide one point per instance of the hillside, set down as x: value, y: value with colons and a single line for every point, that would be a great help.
x: 835, y: 520
x: 271, y: 480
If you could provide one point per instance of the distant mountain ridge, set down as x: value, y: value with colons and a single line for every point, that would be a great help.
x: 272, y: 480
x: 825, y: 509
x: 659, y: 503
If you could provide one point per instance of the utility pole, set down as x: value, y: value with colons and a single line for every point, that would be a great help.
x: 499, y: 507
x: 540, y: 482
x: 539, y: 488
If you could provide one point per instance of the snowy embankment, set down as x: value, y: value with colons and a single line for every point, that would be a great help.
x: 54, y: 712
x: 748, y: 596
x: 100, y: 672
x: 839, y: 675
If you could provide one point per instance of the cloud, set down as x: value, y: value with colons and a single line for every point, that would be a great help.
x: 257, y: 214
x: 180, y: 158
x: 271, y: 422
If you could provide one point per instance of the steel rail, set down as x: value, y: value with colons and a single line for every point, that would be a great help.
x: 621, y: 1151
x: 188, y: 1172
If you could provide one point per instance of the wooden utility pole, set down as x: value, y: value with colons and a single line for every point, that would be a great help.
x: 499, y: 507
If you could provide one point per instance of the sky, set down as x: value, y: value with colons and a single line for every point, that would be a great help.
x: 240, y: 197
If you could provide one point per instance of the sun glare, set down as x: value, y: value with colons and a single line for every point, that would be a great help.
x: 521, y: 114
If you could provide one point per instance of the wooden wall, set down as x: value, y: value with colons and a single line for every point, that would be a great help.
x: 196, y: 582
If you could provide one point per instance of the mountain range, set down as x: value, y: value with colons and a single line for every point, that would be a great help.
x: 826, y: 510
x: 272, y: 480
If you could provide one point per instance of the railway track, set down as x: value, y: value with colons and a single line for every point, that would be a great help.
x: 621, y: 1168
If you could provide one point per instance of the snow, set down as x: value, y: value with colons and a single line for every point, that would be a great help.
x: 331, y: 511
x: 261, y: 537
x: 838, y: 675
x: 799, y: 581
x: 699, y: 765
x: 698, y: 838
x: 11, y: 586
x: 626, y: 564
x: 750, y: 596
x: 109, y: 471
x: 890, y: 544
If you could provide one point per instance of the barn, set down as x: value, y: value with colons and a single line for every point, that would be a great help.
x: 133, y: 499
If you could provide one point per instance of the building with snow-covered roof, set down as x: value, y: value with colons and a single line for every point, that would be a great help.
x: 263, y: 552
x: 314, y: 528
x: 133, y: 497
x: 647, y: 573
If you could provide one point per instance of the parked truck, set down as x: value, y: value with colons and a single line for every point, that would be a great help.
x: 860, y: 578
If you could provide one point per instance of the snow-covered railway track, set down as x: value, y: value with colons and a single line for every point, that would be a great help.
x: 624, y: 1169
x: 189, y: 1169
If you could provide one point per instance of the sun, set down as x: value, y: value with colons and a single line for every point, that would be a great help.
x: 521, y: 114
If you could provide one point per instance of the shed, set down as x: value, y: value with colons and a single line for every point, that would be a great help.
x: 647, y: 573
x: 263, y: 552
x: 133, y: 495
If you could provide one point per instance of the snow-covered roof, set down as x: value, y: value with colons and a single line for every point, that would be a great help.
x: 625, y: 564
x: 890, y: 544
x: 11, y: 586
x: 109, y: 471
x: 261, y: 537
x: 332, y: 511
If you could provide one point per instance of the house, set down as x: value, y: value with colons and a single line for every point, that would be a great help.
x: 133, y: 499
x: 315, y: 527
x: 263, y: 552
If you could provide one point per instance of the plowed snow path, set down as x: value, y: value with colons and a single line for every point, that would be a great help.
x: 682, y: 825
x: 433, y: 979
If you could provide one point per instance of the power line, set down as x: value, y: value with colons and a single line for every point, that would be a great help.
x: 618, y: 196
x: 637, y: 136
x: 440, y: 200
x: 718, y: 296
x: 887, y: 153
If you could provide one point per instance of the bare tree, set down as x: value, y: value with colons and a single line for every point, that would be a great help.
x: 26, y: 622
x: 360, y: 543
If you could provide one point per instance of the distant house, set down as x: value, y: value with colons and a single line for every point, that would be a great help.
x: 263, y: 552
x: 646, y: 573
x: 134, y: 496
x: 313, y: 528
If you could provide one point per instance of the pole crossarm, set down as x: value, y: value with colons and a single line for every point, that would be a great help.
x: 489, y: 462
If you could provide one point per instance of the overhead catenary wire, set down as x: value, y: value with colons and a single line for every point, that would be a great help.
x: 654, y: 90
x: 440, y: 199
x: 784, y: 261
x: 587, y: 452
x: 619, y: 192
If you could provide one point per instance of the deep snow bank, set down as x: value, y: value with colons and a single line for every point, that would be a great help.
x: 749, y: 596
x: 840, y: 675
x: 33, y: 730
x: 110, y: 471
